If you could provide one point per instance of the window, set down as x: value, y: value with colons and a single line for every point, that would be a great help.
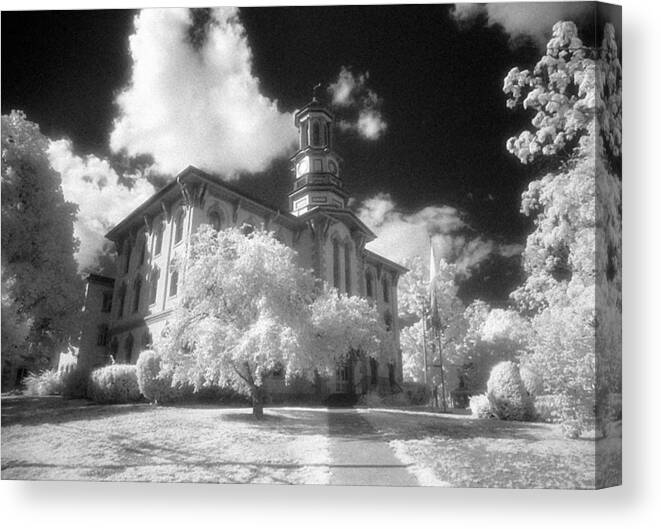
x: 114, y: 348
x: 342, y: 378
x: 315, y: 134
x: 121, y: 298
x: 153, y: 285
x: 179, y: 226
x: 174, y: 279
x: 106, y: 303
x: 102, y: 335
x: 347, y: 268
x: 127, y: 256
x: 386, y: 291
x: 374, y: 371
x: 336, y: 264
x: 158, y: 232
x: 128, y: 348
x: 146, y: 340
x: 137, y: 288
x: 387, y: 319
x: 304, y: 135
x: 215, y: 220
x: 369, y: 285
x: 143, y: 250
x: 317, y: 166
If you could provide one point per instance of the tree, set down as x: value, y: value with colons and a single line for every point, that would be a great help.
x: 247, y: 309
x: 573, y: 257
x: 492, y: 336
x: 413, y: 296
x: 41, y: 291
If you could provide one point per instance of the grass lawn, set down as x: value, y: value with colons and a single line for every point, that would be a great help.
x: 455, y: 451
x: 54, y: 438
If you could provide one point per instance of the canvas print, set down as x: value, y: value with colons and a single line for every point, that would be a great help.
x: 339, y: 245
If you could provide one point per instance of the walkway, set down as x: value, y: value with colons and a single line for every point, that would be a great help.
x: 360, y: 456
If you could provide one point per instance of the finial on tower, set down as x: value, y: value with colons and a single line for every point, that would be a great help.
x: 314, y: 91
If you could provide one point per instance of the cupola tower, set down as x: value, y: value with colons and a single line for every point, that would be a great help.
x: 318, y: 179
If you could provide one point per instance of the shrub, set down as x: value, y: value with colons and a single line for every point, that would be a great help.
x: 74, y: 382
x: 154, y: 382
x: 371, y: 399
x: 116, y: 383
x: 550, y: 408
x: 48, y: 382
x: 416, y: 393
x: 532, y: 381
x: 507, y: 395
x: 480, y: 406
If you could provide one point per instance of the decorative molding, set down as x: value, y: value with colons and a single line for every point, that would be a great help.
x: 148, y: 224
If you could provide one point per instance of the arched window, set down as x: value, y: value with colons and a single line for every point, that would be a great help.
x: 315, y: 134
x: 387, y: 319
x: 369, y: 284
x: 137, y: 288
x: 179, y: 226
x: 127, y: 255
x: 386, y: 291
x: 121, y: 298
x: 304, y: 135
x: 153, y: 284
x: 215, y: 219
x: 143, y: 249
x: 347, y: 268
x: 374, y: 371
x: 128, y: 348
x: 336, y: 264
x: 174, y: 280
x: 102, y: 336
x: 158, y: 233
x: 114, y: 348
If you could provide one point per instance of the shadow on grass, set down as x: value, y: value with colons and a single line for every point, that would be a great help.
x: 32, y: 411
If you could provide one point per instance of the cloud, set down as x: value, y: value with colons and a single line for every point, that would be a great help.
x: 401, y: 236
x: 350, y: 95
x: 102, y: 199
x: 518, y: 19
x: 192, y: 97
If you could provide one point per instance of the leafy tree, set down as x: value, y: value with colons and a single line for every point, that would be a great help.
x: 246, y: 309
x: 572, y: 293
x: 492, y: 336
x: 413, y: 297
x: 41, y: 291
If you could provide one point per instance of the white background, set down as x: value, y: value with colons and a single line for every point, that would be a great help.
x: 636, y: 504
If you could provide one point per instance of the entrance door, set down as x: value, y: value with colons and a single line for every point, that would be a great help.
x: 342, y: 378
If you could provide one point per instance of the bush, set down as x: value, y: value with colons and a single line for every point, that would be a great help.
x: 47, y: 382
x: 117, y: 383
x: 507, y: 395
x: 532, y: 381
x: 74, y: 382
x: 154, y: 382
x: 550, y: 408
x: 480, y: 406
x: 416, y: 393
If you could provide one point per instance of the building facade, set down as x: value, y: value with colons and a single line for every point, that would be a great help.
x: 327, y: 236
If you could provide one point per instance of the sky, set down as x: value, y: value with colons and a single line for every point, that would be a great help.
x: 130, y: 98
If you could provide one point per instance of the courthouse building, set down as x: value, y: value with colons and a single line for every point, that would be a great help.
x: 327, y: 236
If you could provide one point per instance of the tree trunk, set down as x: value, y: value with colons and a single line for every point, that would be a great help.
x: 257, y: 402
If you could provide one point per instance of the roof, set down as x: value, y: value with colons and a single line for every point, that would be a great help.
x: 380, y: 259
x: 189, y: 173
x: 337, y: 212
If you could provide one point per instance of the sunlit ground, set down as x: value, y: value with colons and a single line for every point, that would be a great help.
x: 53, y: 438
